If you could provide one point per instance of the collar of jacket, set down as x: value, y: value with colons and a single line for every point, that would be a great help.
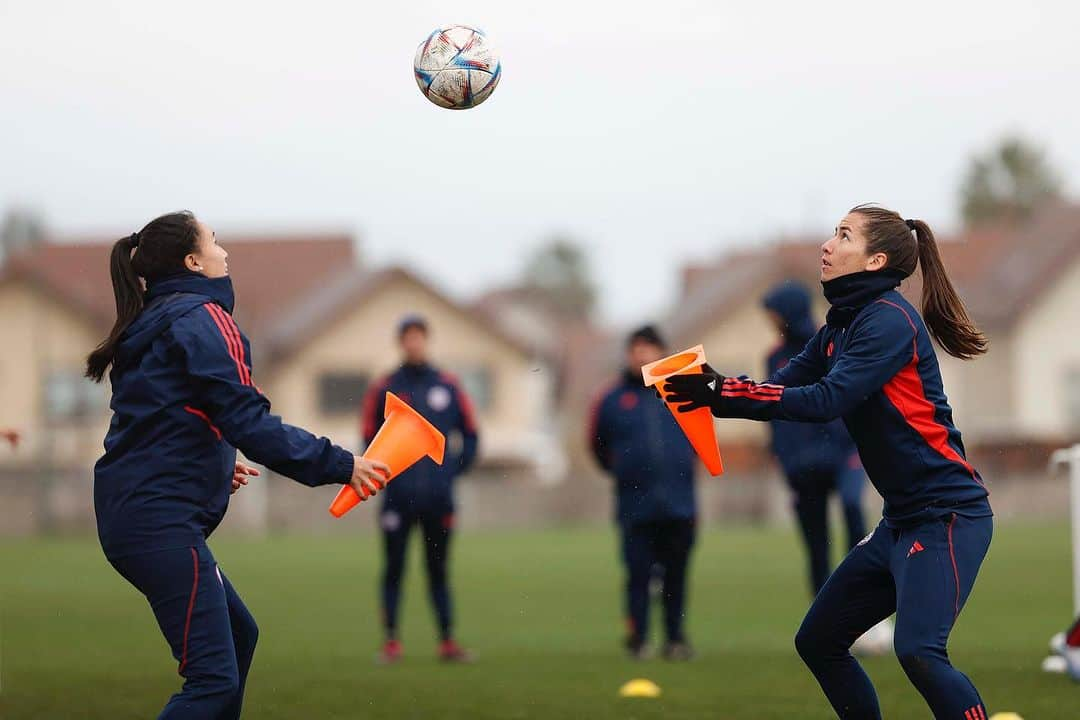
x: 417, y: 370
x: 220, y: 290
x: 633, y: 379
x: 848, y: 294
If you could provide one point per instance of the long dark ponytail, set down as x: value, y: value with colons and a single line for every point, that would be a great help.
x: 155, y: 252
x: 942, y: 309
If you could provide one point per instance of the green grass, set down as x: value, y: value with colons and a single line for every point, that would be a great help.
x: 541, y: 609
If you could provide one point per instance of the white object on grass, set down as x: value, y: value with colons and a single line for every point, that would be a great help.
x: 875, y: 641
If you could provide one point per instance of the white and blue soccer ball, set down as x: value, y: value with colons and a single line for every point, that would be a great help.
x: 456, y: 67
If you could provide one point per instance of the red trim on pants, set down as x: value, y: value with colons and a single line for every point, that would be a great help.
x: 956, y: 572
x: 190, y: 607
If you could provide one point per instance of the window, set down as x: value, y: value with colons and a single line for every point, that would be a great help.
x: 341, y: 392
x: 70, y: 396
x: 478, y: 384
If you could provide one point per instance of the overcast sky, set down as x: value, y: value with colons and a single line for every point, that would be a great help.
x: 656, y: 132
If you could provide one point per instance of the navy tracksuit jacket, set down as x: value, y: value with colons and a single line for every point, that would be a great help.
x: 635, y: 438
x: 423, y: 494
x: 183, y: 401
x: 426, y: 486
x: 873, y: 365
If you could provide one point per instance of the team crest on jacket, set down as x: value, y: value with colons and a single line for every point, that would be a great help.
x: 438, y: 398
x: 390, y: 521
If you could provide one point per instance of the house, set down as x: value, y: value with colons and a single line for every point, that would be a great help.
x: 327, y: 348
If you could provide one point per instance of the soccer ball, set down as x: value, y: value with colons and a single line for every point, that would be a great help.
x: 456, y: 68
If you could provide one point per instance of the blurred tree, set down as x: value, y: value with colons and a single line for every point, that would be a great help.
x: 1007, y: 183
x: 558, y: 271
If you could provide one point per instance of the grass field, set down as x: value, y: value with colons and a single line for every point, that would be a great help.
x: 541, y: 609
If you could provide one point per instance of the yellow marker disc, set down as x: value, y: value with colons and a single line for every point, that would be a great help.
x: 640, y: 687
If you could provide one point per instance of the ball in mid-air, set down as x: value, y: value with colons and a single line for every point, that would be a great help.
x: 456, y: 67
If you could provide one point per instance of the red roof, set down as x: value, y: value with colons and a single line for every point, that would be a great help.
x: 270, y: 273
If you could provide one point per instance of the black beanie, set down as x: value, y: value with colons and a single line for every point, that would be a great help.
x: 410, y: 321
x: 648, y: 334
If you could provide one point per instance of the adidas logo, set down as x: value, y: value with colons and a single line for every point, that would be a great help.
x: 916, y: 547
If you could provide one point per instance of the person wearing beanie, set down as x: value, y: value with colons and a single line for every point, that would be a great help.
x: 423, y: 495
x: 636, y: 440
x: 817, y: 459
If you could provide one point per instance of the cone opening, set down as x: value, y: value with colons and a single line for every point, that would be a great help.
x: 674, y: 364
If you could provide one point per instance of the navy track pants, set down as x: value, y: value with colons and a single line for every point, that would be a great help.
x: 210, y: 631
x: 924, y: 574
x: 662, y: 544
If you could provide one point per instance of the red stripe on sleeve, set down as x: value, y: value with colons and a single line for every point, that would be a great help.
x: 205, y: 418
x: 765, y: 392
x: 369, y: 409
x: 467, y: 411
x: 751, y: 395
x: 230, y: 325
x: 231, y: 341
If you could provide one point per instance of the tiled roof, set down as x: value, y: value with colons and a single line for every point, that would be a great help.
x: 270, y: 273
x: 998, y: 271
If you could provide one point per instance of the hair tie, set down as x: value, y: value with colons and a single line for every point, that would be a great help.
x: 910, y: 224
x: 133, y: 241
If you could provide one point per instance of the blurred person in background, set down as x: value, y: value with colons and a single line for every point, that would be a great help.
x: 423, y: 495
x: 637, y: 440
x: 817, y: 458
x: 183, y: 402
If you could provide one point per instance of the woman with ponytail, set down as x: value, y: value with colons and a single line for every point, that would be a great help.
x: 874, y: 366
x: 183, y: 403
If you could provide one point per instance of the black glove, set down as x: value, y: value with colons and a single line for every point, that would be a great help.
x: 691, y: 392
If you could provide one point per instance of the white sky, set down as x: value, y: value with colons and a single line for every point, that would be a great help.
x: 638, y: 127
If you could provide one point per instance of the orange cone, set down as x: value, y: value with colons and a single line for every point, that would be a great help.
x: 697, y: 425
x: 404, y: 438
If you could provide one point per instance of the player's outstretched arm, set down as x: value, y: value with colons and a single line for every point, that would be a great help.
x: 218, y: 366
x: 876, y: 350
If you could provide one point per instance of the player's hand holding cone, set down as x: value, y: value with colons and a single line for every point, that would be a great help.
x: 369, y: 476
x: 404, y: 438
x: 690, y: 392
